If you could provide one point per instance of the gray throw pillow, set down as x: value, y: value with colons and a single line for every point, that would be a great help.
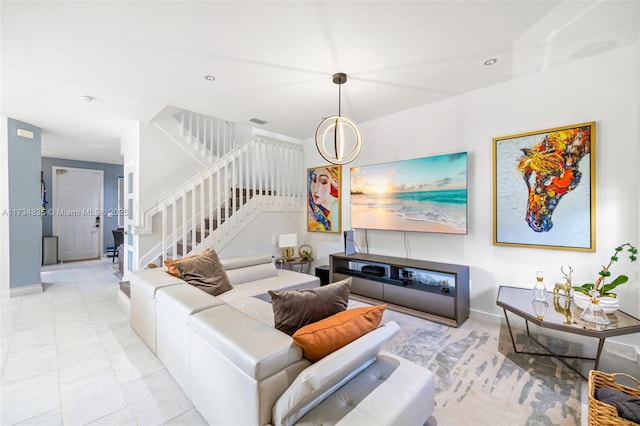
x: 297, y: 308
x: 205, y: 272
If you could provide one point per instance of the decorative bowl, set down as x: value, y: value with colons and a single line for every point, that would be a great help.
x: 608, y: 304
x: 305, y: 251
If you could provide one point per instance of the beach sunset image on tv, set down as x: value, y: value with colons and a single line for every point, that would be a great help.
x: 422, y: 195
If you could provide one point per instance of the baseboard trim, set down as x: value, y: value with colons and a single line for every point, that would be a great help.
x: 623, y: 350
x: 26, y: 290
x: 485, y: 316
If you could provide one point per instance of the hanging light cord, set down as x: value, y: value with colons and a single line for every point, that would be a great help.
x: 339, y: 99
x: 335, y: 128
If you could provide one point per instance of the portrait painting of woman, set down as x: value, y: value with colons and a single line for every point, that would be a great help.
x: 323, y: 198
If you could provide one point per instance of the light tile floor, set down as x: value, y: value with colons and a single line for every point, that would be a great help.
x: 70, y: 357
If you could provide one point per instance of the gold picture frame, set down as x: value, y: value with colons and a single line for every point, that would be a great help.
x: 544, y: 188
x: 324, y: 199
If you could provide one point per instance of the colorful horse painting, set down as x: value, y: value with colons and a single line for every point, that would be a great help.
x: 550, y: 169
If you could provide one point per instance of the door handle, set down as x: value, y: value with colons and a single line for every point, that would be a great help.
x: 97, y: 221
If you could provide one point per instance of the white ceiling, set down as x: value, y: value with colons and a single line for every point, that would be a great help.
x: 274, y: 60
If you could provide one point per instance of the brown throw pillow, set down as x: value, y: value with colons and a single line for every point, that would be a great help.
x: 297, y: 308
x: 170, y: 264
x: 205, y: 272
x: 321, y: 338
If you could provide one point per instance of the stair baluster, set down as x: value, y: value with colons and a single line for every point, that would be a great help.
x: 262, y: 174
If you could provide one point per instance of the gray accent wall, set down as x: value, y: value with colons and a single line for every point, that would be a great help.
x: 111, y: 173
x: 25, y: 231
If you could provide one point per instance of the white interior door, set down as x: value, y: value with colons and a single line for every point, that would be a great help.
x: 129, y: 198
x: 78, y: 214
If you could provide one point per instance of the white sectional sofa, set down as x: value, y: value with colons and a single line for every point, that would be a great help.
x: 238, y: 369
x: 251, y: 276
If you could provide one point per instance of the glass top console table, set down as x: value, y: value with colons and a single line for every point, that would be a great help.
x: 563, y: 315
x: 297, y: 264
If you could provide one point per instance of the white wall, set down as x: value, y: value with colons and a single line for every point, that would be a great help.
x: 261, y: 235
x: 163, y: 167
x: 602, y: 89
x: 637, y: 72
x: 4, y: 205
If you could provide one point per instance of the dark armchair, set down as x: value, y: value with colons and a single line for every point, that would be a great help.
x: 118, y: 239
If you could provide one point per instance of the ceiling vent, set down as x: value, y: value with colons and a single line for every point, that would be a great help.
x: 257, y: 120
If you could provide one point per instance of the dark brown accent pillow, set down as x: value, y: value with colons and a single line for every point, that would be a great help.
x: 297, y: 308
x: 204, y: 272
x: 170, y: 263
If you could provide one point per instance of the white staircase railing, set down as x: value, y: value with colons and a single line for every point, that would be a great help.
x: 262, y: 174
x: 205, y: 138
x: 211, y: 136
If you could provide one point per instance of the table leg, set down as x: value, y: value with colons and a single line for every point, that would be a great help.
x: 600, y: 346
x: 513, y: 341
x: 550, y: 352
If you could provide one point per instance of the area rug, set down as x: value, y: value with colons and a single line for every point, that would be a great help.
x: 480, y: 380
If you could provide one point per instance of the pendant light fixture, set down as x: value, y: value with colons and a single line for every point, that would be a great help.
x: 338, y: 139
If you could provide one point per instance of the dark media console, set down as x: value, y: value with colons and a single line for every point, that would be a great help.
x: 430, y: 290
x: 375, y: 270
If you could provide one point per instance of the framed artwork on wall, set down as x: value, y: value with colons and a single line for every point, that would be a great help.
x: 544, y: 188
x: 427, y: 194
x: 324, y: 196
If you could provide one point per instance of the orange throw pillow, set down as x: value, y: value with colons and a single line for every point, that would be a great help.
x: 323, y: 337
x: 170, y: 264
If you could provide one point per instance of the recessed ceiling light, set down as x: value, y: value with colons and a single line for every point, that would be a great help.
x: 209, y: 77
x: 490, y: 61
x: 86, y: 98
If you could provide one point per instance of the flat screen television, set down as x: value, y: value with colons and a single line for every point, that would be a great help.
x: 426, y: 194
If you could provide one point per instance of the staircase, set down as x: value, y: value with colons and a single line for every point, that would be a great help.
x: 215, y: 205
x: 205, y: 138
x: 241, y: 196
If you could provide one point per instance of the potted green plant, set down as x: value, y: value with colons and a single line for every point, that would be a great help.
x: 605, y: 290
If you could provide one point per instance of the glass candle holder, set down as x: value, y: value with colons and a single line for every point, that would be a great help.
x: 540, y: 308
x: 539, y: 289
x: 593, y: 312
